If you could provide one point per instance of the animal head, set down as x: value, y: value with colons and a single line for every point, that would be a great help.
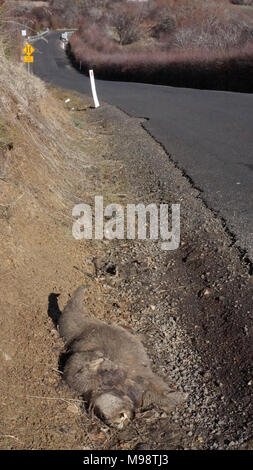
x: 113, y: 409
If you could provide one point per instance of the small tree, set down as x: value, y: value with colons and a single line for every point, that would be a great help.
x: 126, y: 19
x: 164, y: 22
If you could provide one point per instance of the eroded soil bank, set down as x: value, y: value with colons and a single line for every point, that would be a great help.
x: 192, y: 307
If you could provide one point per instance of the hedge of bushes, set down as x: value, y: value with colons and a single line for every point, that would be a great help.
x: 233, y: 73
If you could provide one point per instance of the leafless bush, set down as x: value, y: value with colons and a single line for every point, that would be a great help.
x: 12, y: 20
x: 164, y: 21
x: 242, y: 2
x: 210, y: 25
x: 126, y: 19
x: 210, y: 70
x: 209, y: 34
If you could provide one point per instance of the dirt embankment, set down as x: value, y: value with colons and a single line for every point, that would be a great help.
x: 47, y: 158
x: 191, y: 307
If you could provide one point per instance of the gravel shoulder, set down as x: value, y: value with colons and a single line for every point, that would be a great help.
x: 193, y: 304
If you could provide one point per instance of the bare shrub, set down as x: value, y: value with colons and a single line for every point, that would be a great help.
x: 209, y: 25
x: 42, y: 15
x: 209, y: 34
x: 12, y: 20
x: 242, y: 2
x: 126, y: 19
x: 96, y: 36
x: 164, y: 21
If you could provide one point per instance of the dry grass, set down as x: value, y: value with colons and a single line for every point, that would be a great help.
x: 43, y: 141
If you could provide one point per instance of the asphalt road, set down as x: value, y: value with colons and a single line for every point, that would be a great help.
x: 209, y: 134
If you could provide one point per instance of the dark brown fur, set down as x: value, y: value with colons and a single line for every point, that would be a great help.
x: 109, y: 366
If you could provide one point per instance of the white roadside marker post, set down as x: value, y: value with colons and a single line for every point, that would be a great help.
x: 23, y: 35
x: 93, y: 88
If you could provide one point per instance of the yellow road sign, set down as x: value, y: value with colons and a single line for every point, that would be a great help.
x: 28, y: 49
x: 28, y: 58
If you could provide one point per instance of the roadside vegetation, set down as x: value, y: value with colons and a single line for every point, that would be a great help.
x: 197, y: 43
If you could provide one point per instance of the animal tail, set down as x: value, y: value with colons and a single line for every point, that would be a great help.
x: 77, y: 298
x: 73, y: 318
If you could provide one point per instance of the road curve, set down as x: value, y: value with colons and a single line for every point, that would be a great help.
x: 208, y: 133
